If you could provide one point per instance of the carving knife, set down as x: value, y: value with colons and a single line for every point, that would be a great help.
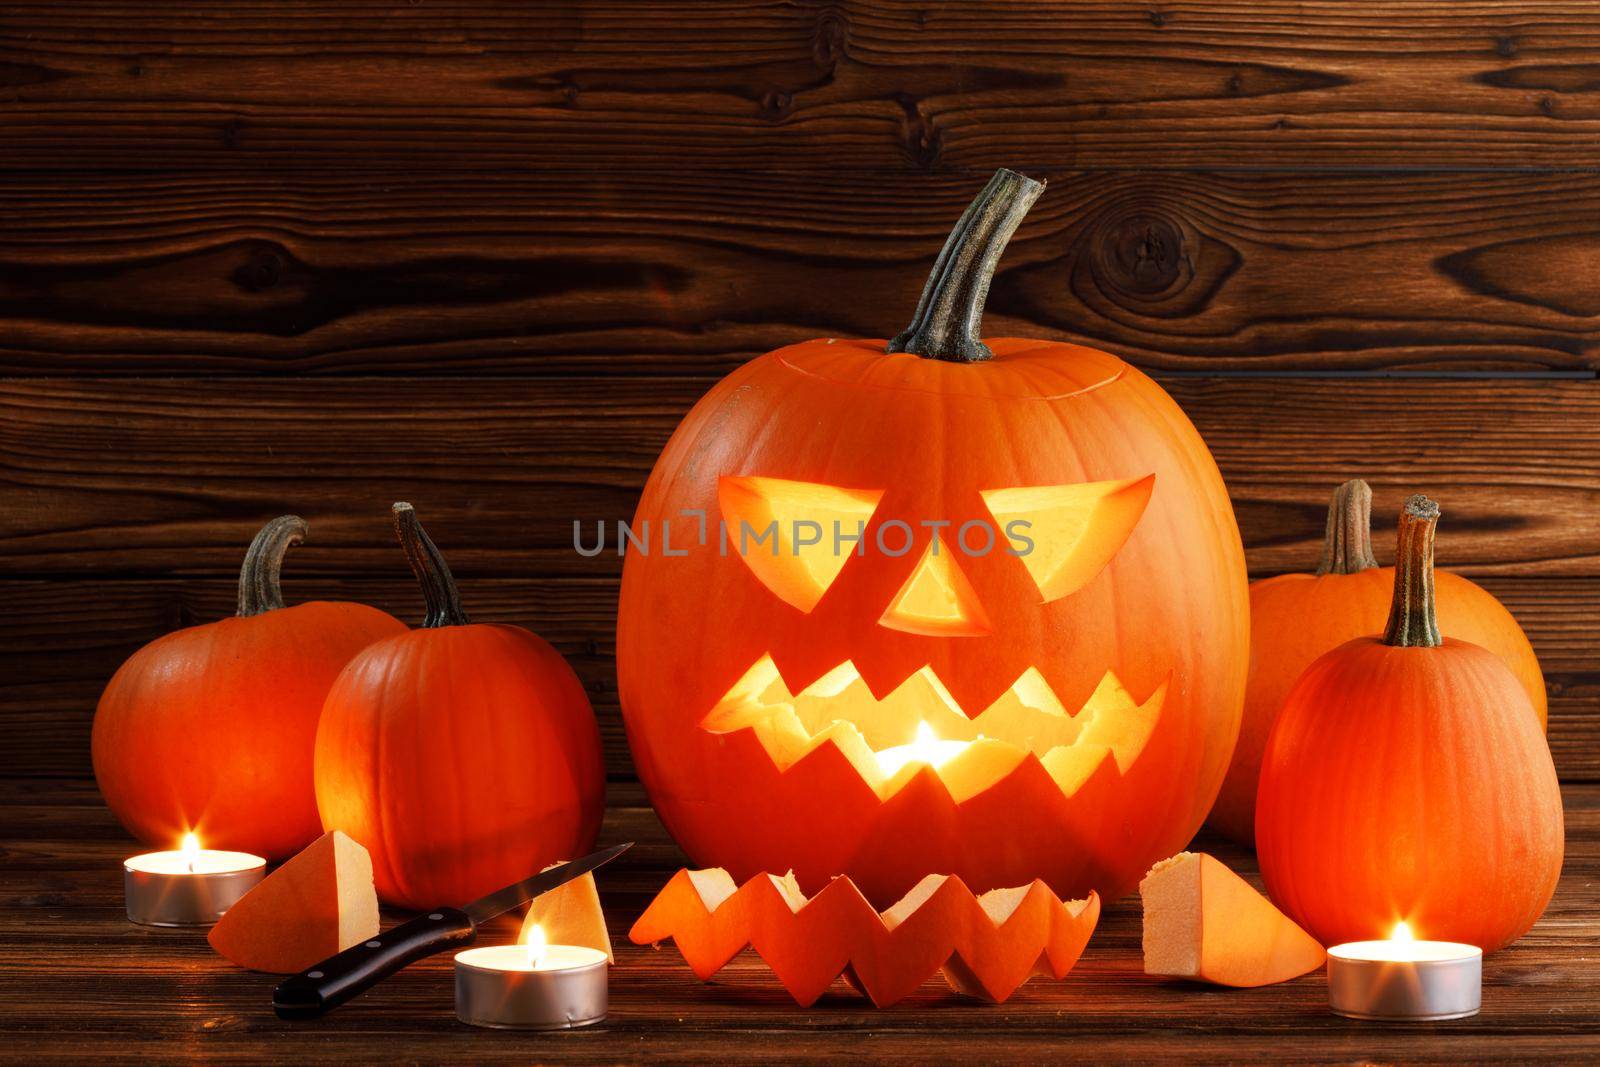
x: 339, y: 977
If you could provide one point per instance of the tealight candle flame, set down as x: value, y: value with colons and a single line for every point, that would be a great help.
x: 1402, y: 932
x: 535, y: 943
x: 191, y: 850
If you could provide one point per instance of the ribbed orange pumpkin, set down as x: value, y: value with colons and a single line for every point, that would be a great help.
x: 799, y: 704
x: 463, y: 756
x: 1406, y: 780
x: 1294, y: 618
x: 211, y: 729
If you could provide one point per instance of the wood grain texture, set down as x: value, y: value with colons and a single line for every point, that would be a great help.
x: 173, y: 477
x: 672, y: 272
x: 814, y: 85
x: 78, y: 981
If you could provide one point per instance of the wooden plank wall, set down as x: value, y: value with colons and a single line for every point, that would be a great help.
x: 483, y: 254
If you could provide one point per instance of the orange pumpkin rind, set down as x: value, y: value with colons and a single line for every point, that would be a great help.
x: 1406, y: 779
x: 985, y: 946
x: 462, y: 755
x: 1296, y: 618
x: 772, y: 677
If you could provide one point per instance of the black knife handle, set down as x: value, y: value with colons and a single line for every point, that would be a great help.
x: 355, y: 970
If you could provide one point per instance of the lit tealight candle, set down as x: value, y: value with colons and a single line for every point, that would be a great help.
x: 926, y: 748
x: 1403, y: 979
x: 190, y: 886
x: 531, y: 986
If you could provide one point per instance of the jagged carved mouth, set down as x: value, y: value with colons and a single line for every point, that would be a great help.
x: 920, y: 728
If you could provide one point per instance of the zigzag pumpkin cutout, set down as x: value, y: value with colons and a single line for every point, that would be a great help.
x: 986, y: 946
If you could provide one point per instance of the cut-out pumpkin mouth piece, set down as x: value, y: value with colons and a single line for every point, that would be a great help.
x: 920, y: 727
x: 986, y: 945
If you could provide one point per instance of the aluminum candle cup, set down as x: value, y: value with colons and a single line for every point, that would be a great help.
x: 191, y: 886
x: 522, y: 987
x: 1405, y: 981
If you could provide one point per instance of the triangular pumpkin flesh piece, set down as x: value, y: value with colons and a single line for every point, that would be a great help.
x: 318, y: 903
x: 1205, y: 923
x: 570, y: 915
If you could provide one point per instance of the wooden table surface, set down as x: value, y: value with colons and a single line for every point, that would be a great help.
x: 77, y: 980
x: 315, y: 256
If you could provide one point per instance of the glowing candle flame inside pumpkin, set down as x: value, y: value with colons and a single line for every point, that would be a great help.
x: 191, y: 850
x: 926, y: 748
x: 535, y: 943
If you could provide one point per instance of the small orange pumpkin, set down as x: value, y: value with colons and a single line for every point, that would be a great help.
x: 463, y: 756
x: 211, y: 728
x: 1294, y: 618
x: 1406, y: 780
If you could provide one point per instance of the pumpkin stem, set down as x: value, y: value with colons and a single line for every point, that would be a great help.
x: 950, y: 312
x: 433, y: 573
x: 1413, y: 621
x: 259, y: 591
x: 1347, y: 543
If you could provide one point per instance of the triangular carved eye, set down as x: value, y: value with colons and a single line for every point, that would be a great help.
x: 937, y: 600
x: 1074, y: 530
x: 785, y: 531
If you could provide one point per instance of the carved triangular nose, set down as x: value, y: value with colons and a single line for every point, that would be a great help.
x: 937, y: 600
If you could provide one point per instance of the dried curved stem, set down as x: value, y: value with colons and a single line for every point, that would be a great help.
x: 950, y: 313
x: 259, y: 590
x: 433, y: 573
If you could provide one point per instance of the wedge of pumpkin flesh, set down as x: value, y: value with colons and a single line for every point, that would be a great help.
x: 570, y: 915
x: 1203, y: 922
x: 320, y: 902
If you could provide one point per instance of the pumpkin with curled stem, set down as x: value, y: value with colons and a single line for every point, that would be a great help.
x: 464, y: 756
x: 1407, y: 780
x: 211, y: 728
x: 1022, y: 657
x: 1297, y: 617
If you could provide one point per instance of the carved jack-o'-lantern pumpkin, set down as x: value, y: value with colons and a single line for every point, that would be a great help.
x: 935, y: 606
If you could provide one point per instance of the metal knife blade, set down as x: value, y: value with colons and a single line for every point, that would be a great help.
x: 328, y: 984
x: 503, y: 900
